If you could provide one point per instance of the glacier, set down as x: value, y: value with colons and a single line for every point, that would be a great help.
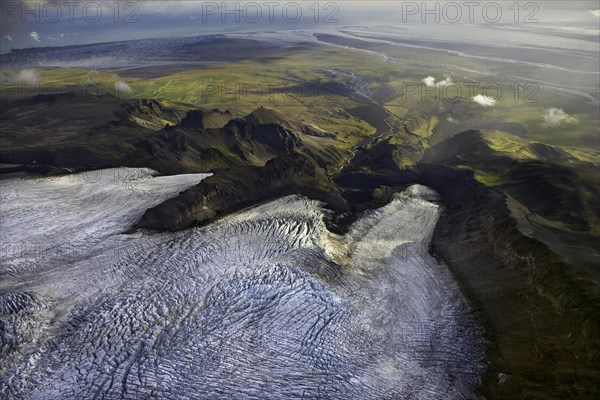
x: 265, y: 303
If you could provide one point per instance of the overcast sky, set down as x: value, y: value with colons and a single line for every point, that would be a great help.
x: 39, y: 23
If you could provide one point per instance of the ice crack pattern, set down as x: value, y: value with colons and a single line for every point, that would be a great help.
x: 262, y: 304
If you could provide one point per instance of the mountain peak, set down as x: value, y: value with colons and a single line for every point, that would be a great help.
x: 263, y: 115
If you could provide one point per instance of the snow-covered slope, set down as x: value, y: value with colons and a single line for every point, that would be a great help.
x: 263, y: 304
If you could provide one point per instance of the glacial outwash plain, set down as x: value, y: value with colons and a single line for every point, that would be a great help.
x: 339, y: 213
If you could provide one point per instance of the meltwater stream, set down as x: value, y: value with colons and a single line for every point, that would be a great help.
x: 262, y: 304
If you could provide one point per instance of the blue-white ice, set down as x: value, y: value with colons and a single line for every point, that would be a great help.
x: 263, y: 304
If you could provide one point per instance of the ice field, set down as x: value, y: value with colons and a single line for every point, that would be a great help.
x: 262, y: 304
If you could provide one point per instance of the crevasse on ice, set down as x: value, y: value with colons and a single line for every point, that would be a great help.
x: 263, y: 304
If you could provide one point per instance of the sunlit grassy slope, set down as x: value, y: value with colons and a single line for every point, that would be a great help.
x: 321, y: 84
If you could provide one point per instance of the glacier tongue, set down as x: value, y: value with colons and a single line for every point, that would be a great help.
x: 262, y: 304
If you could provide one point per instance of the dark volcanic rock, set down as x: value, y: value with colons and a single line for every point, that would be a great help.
x: 549, y: 153
x: 149, y: 108
x: 232, y: 189
x: 543, y: 321
x: 276, y: 137
x: 202, y: 119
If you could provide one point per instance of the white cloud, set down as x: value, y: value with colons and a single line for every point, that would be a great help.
x: 430, y: 81
x: 484, y: 101
x: 9, y: 38
x: 452, y: 120
x: 35, y: 36
x: 445, y: 82
x: 28, y: 76
x: 557, y: 117
x: 121, y: 86
x: 595, y: 13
